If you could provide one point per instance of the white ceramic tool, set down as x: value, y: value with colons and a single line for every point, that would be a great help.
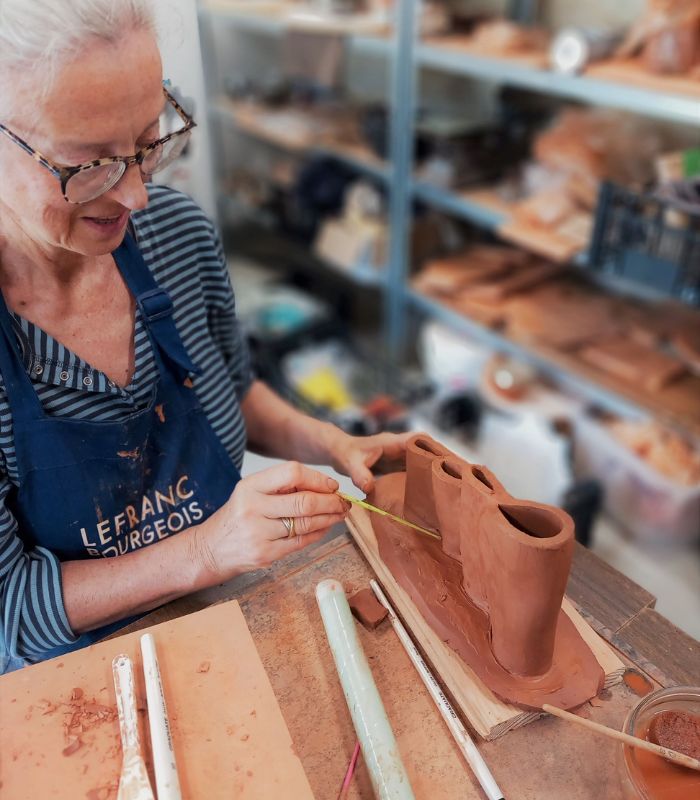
x: 134, y: 783
x: 164, y: 766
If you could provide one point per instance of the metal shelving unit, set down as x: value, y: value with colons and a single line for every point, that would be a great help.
x: 408, y: 56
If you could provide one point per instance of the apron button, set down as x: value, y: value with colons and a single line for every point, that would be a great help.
x: 64, y: 375
x: 38, y: 369
x: 87, y: 381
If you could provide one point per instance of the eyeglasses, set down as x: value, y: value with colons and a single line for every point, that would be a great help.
x: 85, y: 182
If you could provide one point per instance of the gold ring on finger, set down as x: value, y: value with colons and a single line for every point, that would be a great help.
x: 288, y: 523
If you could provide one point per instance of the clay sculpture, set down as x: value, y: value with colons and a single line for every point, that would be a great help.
x: 492, y: 587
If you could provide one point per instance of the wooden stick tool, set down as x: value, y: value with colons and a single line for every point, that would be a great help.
x: 458, y: 731
x: 633, y: 741
x: 369, y: 507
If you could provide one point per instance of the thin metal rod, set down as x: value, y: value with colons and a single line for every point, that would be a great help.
x: 369, y: 507
x: 458, y: 731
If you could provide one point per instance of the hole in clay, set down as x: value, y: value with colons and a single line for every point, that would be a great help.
x: 479, y: 475
x: 451, y: 469
x: 423, y: 445
x: 533, y: 521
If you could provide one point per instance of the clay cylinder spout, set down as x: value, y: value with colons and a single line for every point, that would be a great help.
x: 480, y: 490
x: 419, y: 503
x: 447, y: 491
x: 530, y: 547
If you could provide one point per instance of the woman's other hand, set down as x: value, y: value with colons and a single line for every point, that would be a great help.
x: 248, y: 531
x: 356, y: 456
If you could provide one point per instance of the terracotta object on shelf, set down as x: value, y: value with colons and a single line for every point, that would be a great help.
x: 635, y: 362
x: 492, y: 588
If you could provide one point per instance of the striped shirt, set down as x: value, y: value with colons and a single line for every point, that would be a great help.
x: 181, y: 248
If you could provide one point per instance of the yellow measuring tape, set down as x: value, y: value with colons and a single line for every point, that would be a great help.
x: 364, y: 504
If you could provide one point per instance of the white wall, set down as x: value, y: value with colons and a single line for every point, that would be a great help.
x: 182, y: 63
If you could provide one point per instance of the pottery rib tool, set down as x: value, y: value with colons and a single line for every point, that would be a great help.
x: 633, y: 741
x: 369, y: 507
x: 458, y: 731
x: 133, y: 783
x: 379, y: 748
x: 164, y: 765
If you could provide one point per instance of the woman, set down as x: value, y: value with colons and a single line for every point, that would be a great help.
x: 125, y: 391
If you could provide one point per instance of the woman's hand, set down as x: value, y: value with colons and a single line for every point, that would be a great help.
x: 355, y: 456
x: 248, y: 532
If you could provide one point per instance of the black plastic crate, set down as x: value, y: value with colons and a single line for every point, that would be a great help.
x: 645, y: 239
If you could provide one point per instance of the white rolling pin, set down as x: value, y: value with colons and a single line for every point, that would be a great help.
x: 379, y: 748
x: 466, y: 745
x: 164, y: 765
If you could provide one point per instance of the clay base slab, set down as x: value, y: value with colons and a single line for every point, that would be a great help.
x: 229, y: 735
x: 487, y: 715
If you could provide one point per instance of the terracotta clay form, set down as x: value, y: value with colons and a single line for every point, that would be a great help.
x: 492, y: 588
x: 367, y: 609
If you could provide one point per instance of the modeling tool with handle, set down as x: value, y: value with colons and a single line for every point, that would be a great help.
x: 458, y: 731
x: 379, y: 749
x: 369, y: 507
x: 633, y: 741
x: 164, y: 765
x: 133, y: 783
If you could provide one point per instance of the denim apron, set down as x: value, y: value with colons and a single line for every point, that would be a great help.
x: 102, y: 489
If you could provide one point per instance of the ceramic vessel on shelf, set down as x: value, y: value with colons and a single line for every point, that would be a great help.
x: 644, y: 775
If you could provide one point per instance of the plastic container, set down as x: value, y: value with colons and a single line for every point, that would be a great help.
x: 653, y: 507
x: 639, y: 770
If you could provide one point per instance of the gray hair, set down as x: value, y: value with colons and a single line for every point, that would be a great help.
x: 35, y: 35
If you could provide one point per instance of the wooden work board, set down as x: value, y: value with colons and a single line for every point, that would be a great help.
x: 229, y: 735
x: 488, y: 716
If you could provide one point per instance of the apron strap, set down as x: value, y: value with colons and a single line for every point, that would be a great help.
x: 156, y: 307
x: 21, y: 396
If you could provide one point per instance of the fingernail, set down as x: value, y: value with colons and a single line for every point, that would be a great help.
x: 332, y: 484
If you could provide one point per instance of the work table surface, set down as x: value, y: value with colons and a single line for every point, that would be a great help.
x: 546, y: 760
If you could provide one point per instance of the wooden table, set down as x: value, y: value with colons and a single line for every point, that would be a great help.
x: 547, y: 760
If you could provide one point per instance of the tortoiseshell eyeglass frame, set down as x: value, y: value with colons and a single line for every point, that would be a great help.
x: 64, y: 174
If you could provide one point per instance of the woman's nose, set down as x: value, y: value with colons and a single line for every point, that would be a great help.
x: 130, y: 190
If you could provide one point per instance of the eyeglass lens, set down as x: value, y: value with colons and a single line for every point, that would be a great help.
x: 92, y: 182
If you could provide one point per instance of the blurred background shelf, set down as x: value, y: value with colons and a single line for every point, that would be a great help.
x: 658, y: 98
x: 566, y: 371
x: 280, y: 127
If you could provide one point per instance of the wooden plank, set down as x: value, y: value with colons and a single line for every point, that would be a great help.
x: 489, y: 716
x: 660, y: 649
x: 229, y: 735
x: 604, y: 597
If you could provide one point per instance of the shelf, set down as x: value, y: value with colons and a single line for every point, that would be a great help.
x: 365, y: 275
x: 607, y: 89
x: 565, y: 370
x: 622, y: 85
x: 470, y: 206
x: 483, y: 207
x: 364, y: 33
x: 250, y: 119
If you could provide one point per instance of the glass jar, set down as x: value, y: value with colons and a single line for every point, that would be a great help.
x: 649, y: 777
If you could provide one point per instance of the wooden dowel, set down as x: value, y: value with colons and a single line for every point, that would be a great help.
x: 632, y: 741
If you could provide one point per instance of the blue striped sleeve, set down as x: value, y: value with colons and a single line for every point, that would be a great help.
x: 33, y: 615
